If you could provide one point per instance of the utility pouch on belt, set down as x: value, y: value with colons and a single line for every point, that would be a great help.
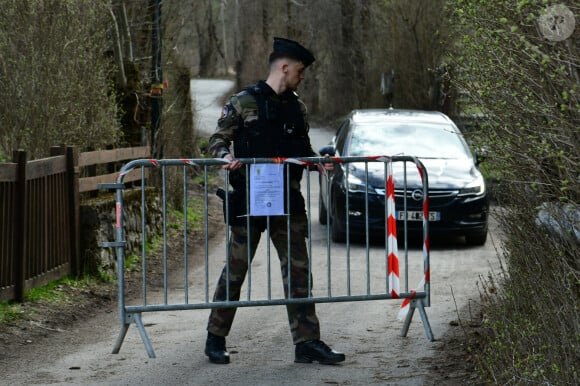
x: 236, y: 206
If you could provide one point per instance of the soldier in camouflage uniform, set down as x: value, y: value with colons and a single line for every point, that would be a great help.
x: 269, y: 120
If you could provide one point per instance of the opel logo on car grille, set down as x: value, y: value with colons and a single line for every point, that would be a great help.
x: 417, y: 195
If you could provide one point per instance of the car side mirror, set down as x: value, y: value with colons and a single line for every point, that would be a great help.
x: 327, y: 150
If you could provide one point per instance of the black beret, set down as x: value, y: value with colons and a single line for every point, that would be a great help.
x: 293, y: 50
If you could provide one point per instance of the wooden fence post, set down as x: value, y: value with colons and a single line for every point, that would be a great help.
x: 19, y: 157
x: 73, y: 172
x: 56, y: 150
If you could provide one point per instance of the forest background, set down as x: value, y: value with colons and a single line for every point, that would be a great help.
x: 84, y: 73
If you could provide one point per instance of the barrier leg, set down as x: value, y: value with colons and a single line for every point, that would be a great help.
x: 134, y: 318
x: 426, y: 324
x: 144, y: 336
x: 417, y: 303
x: 408, y: 319
x: 121, y: 338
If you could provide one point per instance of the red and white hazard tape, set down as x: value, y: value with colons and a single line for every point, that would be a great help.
x: 392, y: 248
x: 426, y: 274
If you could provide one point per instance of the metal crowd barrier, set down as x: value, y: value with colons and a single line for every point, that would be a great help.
x: 339, y: 260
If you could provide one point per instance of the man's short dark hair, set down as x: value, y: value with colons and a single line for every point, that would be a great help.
x: 279, y: 55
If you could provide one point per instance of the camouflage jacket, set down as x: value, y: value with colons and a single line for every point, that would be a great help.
x: 239, y: 112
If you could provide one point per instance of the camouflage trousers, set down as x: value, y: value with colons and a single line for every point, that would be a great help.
x: 303, y: 321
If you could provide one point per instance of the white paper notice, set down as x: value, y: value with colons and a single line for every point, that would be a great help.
x: 266, y: 189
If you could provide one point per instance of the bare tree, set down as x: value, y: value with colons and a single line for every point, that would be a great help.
x: 52, y: 60
x: 415, y: 47
x: 354, y: 41
x: 117, y: 50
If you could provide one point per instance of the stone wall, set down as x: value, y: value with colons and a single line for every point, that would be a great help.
x: 97, y: 225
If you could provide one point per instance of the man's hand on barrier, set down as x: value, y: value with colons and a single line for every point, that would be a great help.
x: 324, y: 167
x: 328, y: 166
x: 234, y: 163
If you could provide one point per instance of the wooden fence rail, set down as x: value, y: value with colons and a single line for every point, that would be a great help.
x: 39, y: 213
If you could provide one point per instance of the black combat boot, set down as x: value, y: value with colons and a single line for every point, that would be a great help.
x: 215, y: 349
x: 317, y: 350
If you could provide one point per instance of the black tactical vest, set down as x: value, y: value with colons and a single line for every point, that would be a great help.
x: 279, y: 131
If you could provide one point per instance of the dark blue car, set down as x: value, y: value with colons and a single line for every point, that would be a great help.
x: 458, y: 200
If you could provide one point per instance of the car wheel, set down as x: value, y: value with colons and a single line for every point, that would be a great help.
x: 476, y: 238
x: 322, y: 212
x: 338, y: 233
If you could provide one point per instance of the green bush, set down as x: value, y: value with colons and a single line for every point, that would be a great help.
x: 528, y: 88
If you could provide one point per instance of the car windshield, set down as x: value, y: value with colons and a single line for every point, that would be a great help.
x: 417, y: 139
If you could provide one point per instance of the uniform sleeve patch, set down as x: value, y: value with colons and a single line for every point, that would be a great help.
x: 225, y: 111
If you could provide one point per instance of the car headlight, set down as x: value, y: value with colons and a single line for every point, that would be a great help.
x: 355, y: 184
x: 474, y: 188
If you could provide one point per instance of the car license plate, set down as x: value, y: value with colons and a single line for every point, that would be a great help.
x: 417, y: 216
